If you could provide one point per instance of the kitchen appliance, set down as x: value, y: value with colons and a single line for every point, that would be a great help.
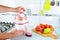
x: 6, y: 26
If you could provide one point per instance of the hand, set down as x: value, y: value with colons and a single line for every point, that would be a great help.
x: 20, y: 9
x: 10, y: 9
x: 17, y: 33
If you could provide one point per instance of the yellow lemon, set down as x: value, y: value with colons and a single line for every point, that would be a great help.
x: 47, y: 30
x: 47, y: 5
x: 42, y: 12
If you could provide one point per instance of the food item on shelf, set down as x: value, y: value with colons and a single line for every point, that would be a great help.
x: 47, y: 30
x: 37, y: 28
x: 41, y: 25
x: 46, y: 35
x: 57, y: 3
x: 41, y: 12
x: 28, y: 34
x: 52, y: 2
x: 47, y: 5
x: 51, y: 27
x: 44, y: 28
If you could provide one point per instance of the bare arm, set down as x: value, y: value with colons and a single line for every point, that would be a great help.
x: 7, y: 9
x: 6, y: 35
x: 11, y: 35
x: 10, y: 9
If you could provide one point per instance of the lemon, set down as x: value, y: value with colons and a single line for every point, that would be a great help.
x: 47, y: 30
x: 42, y: 12
x: 47, y: 5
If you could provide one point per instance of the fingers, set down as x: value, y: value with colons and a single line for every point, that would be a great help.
x: 21, y: 9
x: 20, y: 32
x: 17, y: 33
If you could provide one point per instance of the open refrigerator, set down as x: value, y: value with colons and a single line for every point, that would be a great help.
x: 33, y: 19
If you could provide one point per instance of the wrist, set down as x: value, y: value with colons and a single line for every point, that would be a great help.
x: 11, y: 35
x: 13, y: 10
x: 6, y: 35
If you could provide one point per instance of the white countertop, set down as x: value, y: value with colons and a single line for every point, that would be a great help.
x: 33, y: 21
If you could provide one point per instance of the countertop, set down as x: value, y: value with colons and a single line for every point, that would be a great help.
x: 33, y: 22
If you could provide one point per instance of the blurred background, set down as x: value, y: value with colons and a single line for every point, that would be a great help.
x: 35, y: 16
